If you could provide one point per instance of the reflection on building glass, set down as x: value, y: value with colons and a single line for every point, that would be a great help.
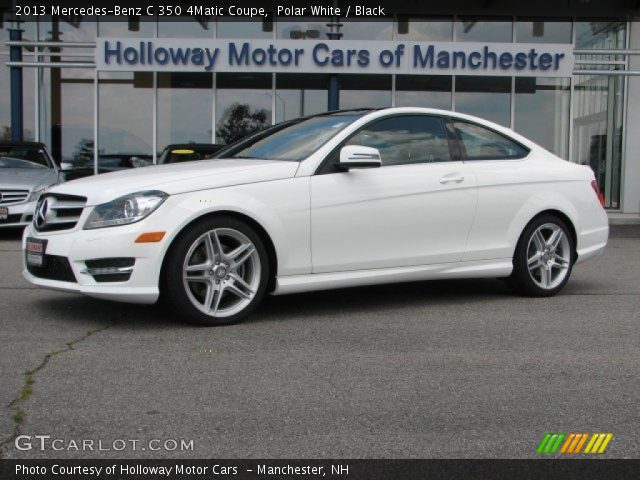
x: 431, y: 91
x: 486, y: 97
x: 549, y: 99
x: 256, y: 28
x: 194, y: 27
x: 434, y: 29
x: 365, y: 91
x: 364, y: 30
x: 243, y: 105
x: 302, y: 28
x: 482, y: 29
x: 185, y: 103
x: 597, y: 130
x: 543, y: 31
x: 298, y: 95
x: 132, y: 27
x: 125, y: 103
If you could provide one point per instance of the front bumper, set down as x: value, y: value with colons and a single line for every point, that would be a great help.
x: 77, y: 246
x: 20, y: 215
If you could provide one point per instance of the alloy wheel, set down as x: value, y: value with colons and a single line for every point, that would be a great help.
x: 548, y: 256
x: 221, y: 272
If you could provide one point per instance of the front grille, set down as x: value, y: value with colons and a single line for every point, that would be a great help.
x: 10, y: 196
x: 54, y: 267
x: 58, y: 212
x: 114, y: 269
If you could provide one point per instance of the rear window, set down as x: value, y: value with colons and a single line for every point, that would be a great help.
x: 480, y: 143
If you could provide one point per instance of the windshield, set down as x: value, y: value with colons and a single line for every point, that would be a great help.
x: 294, y: 142
x: 22, y: 156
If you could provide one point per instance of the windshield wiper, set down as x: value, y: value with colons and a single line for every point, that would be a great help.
x: 247, y: 157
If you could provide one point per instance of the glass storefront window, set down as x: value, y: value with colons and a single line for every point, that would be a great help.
x: 243, y: 104
x: 431, y: 91
x: 597, y: 130
x: 197, y: 27
x: 364, y: 30
x: 125, y: 113
x: 435, y: 29
x: 485, y: 97
x: 185, y: 106
x: 543, y: 31
x: 483, y: 29
x: 601, y: 34
x: 541, y: 112
x: 244, y: 29
x: 302, y: 28
x: 66, y: 114
x: 365, y: 91
x: 133, y: 27
x: 299, y: 95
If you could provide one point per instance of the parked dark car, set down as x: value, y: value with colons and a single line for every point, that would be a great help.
x: 187, y: 152
x: 109, y: 162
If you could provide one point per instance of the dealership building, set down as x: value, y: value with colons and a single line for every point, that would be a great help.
x: 565, y: 74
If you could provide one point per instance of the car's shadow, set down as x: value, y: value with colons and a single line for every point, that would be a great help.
x: 330, y: 303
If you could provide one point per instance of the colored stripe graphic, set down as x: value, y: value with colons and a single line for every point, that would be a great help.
x: 573, y: 442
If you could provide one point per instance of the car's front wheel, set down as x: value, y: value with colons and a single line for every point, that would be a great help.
x: 543, y: 258
x: 217, y: 272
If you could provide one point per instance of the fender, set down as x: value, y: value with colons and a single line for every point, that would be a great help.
x: 285, y: 219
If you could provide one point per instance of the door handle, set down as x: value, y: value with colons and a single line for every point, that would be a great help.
x: 452, y: 178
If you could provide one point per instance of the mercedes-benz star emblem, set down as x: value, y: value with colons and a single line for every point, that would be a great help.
x: 41, y: 212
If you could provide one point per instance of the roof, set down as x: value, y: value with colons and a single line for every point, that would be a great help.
x: 8, y: 143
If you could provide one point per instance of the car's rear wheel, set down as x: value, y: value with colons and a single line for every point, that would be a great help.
x: 217, y: 272
x: 544, y: 258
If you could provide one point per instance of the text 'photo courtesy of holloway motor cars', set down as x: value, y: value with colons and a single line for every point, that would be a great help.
x: 334, y: 200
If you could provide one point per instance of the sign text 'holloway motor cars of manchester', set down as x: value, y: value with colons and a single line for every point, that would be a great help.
x: 444, y: 58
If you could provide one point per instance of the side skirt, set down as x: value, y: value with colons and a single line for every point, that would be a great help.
x: 325, y: 281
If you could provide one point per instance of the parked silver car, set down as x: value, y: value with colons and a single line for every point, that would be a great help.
x: 26, y: 171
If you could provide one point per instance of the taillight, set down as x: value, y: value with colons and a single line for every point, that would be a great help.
x: 596, y: 188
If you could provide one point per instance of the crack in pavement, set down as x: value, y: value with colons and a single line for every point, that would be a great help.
x: 16, y: 404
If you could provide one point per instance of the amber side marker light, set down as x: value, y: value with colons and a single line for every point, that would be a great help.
x: 150, y: 237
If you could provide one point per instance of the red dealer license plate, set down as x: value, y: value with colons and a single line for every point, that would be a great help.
x: 35, y: 251
x: 4, y: 214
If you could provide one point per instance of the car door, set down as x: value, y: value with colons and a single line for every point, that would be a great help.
x: 503, y: 187
x: 416, y: 209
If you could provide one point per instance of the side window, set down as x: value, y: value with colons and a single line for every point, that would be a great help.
x: 483, y: 144
x: 406, y: 139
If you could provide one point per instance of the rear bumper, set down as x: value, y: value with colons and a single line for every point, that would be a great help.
x: 592, y: 243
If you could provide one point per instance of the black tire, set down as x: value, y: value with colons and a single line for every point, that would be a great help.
x: 521, y: 280
x: 173, y: 290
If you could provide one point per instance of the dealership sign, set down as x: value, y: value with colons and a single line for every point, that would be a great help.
x: 333, y: 56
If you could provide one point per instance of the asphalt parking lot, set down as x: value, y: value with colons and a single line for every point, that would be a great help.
x: 431, y: 369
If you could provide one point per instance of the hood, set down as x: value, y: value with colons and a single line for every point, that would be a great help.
x: 177, y: 178
x: 27, y: 178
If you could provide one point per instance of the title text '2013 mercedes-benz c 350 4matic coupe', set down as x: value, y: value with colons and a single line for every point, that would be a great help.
x: 333, y: 200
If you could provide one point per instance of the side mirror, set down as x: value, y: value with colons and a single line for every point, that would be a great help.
x: 359, y: 156
x: 66, y: 166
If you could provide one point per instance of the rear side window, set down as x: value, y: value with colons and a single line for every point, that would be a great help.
x: 406, y: 139
x: 480, y: 143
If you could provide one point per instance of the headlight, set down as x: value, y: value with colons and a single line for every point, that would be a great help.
x: 125, y: 210
x: 35, y: 195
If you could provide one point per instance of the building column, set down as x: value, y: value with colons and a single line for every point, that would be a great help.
x: 631, y: 179
x: 17, y: 110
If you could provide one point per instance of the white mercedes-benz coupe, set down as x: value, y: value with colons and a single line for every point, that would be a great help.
x: 333, y: 200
